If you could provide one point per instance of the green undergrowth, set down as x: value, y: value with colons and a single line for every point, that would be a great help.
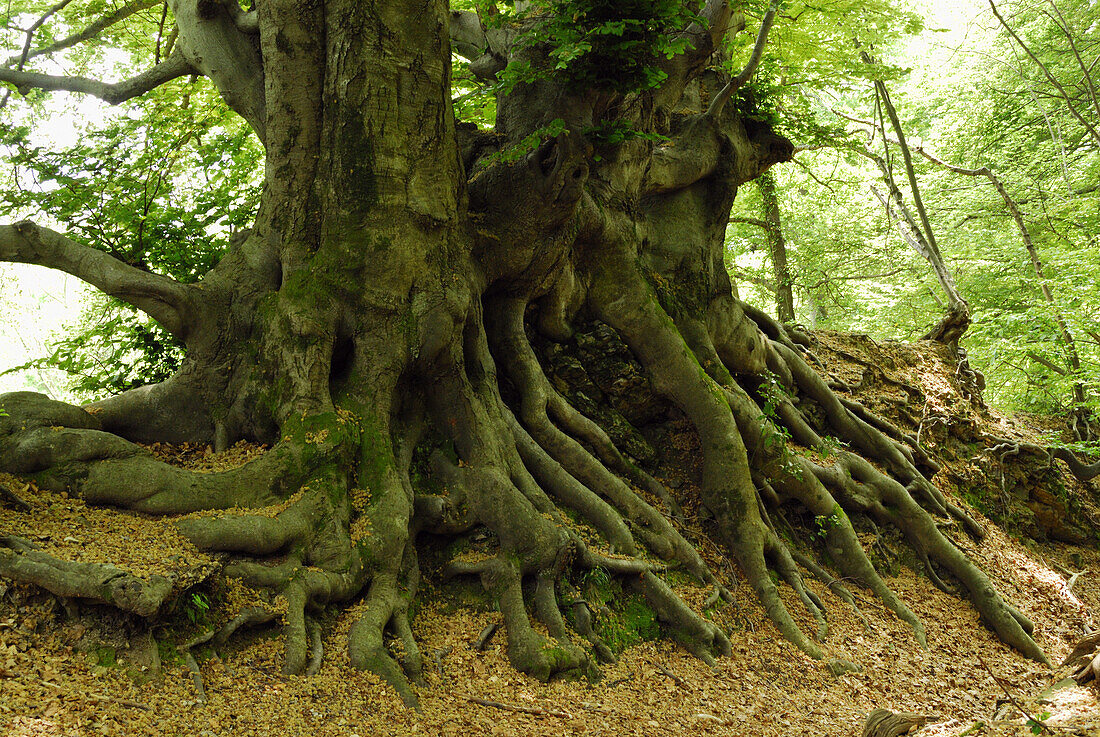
x: 621, y: 618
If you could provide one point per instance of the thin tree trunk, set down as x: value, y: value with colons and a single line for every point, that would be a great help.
x: 953, y: 326
x: 777, y: 247
x: 1065, y: 336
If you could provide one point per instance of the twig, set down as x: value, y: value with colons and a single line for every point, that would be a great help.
x: 536, y: 710
x: 100, y: 697
x: 665, y: 671
x: 8, y: 495
x: 589, y: 706
x: 121, y: 702
x: 1012, y: 699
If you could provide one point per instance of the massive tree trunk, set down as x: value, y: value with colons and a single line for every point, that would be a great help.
x: 382, y: 312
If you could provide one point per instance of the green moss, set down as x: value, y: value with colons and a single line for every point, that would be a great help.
x: 169, y: 653
x: 105, y: 657
x: 375, y: 454
x: 622, y: 619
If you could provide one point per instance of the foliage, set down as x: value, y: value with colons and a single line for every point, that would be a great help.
x: 976, y: 99
x: 776, y: 436
x: 195, y: 607
x: 116, y: 348
x: 825, y: 522
x: 160, y: 185
x: 602, y: 44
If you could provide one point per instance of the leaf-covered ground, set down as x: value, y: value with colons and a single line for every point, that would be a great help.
x: 61, y: 675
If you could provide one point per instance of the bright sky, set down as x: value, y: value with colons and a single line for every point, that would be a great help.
x: 37, y: 303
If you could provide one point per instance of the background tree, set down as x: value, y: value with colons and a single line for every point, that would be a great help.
x: 380, y: 324
x: 979, y: 102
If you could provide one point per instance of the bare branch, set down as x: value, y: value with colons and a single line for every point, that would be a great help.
x: 1045, y: 362
x: 737, y: 82
x: 164, y: 299
x: 34, y: 28
x: 1046, y: 73
x: 90, y: 31
x: 171, y: 68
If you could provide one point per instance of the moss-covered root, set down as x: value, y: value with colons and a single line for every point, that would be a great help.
x: 620, y: 296
x: 100, y: 582
x: 797, y: 478
x: 701, y: 638
x: 559, y: 461
x: 895, y: 456
x: 528, y: 651
x: 366, y: 646
x: 896, y: 506
x: 388, y: 552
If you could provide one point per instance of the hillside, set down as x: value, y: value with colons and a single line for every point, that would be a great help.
x: 67, y: 668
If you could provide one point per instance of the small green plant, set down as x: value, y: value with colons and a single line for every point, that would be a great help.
x: 553, y: 129
x: 776, y: 436
x: 615, y: 132
x: 196, y: 607
x: 1036, y: 723
x: 823, y: 523
x: 830, y: 447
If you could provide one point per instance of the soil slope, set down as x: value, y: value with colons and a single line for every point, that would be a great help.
x: 72, y: 669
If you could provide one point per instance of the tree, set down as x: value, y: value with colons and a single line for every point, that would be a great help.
x: 377, y: 324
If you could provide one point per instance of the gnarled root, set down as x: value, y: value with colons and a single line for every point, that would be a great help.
x: 745, y: 451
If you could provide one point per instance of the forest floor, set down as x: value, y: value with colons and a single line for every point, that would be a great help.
x: 62, y: 675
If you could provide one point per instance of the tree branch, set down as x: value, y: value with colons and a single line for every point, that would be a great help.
x: 737, y: 82
x: 468, y: 38
x: 171, y: 68
x: 1046, y: 73
x: 90, y: 31
x: 164, y: 299
x: 214, y: 43
x: 1049, y: 364
x: 34, y: 28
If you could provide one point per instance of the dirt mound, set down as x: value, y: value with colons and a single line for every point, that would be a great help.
x: 68, y: 668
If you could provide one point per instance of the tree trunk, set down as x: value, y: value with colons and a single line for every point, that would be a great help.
x: 379, y: 318
x: 777, y: 247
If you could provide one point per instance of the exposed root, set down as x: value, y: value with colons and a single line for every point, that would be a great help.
x: 333, y: 502
x: 8, y: 496
x: 99, y: 582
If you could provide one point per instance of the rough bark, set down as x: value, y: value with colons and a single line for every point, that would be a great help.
x: 381, y: 313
